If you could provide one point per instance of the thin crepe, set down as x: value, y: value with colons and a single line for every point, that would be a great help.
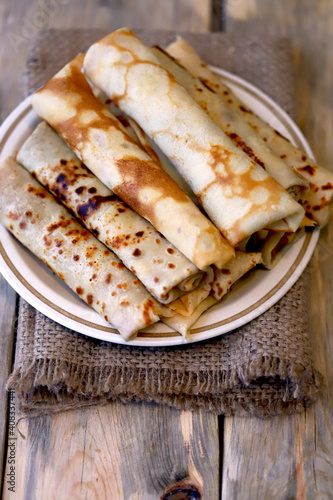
x: 317, y: 202
x: 164, y: 271
x: 51, y: 233
x: 234, y: 125
x: 98, y: 138
x: 236, y: 193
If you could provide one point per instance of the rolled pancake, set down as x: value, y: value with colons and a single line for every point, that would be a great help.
x: 98, y: 138
x: 234, y: 125
x: 236, y: 193
x: 220, y: 286
x: 164, y: 271
x: 317, y: 202
x: 51, y: 233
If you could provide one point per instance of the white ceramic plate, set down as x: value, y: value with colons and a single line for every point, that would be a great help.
x: 249, y: 298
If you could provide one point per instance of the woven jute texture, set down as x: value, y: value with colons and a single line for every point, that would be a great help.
x: 264, y: 368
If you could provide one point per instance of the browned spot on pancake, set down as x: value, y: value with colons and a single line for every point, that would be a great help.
x: 63, y: 223
x: 148, y: 308
x: 245, y: 110
x: 47, y: 240
x: 39, y: 192
x: 322, y: 205
x: 283, y: 156
x: 139, y: 234
x: 137, y: 252
x: 313, y: 187
x: 171, y: 266
x: 92, y: 190
x: 76, y: 257
x: 28, y: 214
x: 63, y: 162
x: 142, y: 174
x: 219, y: 290
x: 310, y: 169
x: 236, y: 139
x: 90, y: 299
x: 158, y: 241
x: 225, y: 92
x: 327, y: 186
x: 60, y: 252
x: 225, y: 271
x: 113, y: 294
x: 108, y: 278
x: 303, y: 157
x: 79, y: 290
x: 170, y: 250
x: 116, y: 241
x: 93, y: 204
x: 22, y: 225
x: 14, y: 216
x: 206, y: 83
x: 120, y: 265
x: 156, y: 279
x: 80, y: 189
x: 90, y: 251
x: 124, y: 303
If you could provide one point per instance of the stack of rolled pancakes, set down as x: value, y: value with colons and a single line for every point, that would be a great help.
x: 161, y: 189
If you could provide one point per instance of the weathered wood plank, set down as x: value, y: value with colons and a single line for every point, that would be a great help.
x: 8, y: 306
x: 118, y: 451
x: 292, y: 457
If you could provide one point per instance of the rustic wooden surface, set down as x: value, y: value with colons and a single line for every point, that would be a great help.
x: 103, y: 450
x: 104, y: 454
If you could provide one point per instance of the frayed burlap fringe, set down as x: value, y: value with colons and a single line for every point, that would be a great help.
x: 41, y: 390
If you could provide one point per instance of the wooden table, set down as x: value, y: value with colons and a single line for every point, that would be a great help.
x: 139, y: 451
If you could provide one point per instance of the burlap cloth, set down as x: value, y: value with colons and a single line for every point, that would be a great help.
x: 264, y: 368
